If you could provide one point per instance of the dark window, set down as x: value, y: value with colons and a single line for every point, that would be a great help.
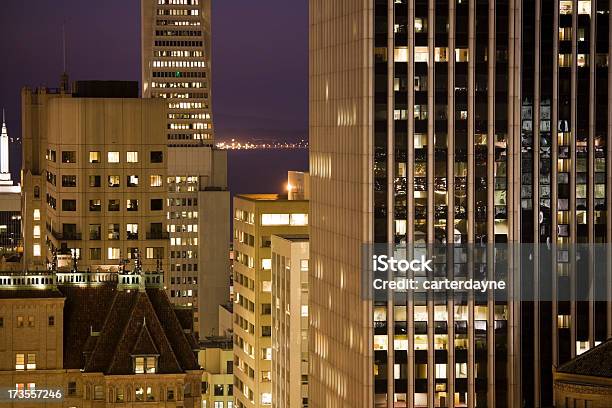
x: 157, y: 157
x: 266, y: 308
x: 51, y: 320
x: 69, y: 231
x: 113, y: 205
x: 95, y: 254
x: 94, y: 232
x: 218, y: 390
x: 68, y: 205
x: 68, y: 157
x: 72, y: 388
x: 1, y: 321
x: 157, y: 204
x: 69, y: 181
x: 266, y: 331
x: 95, y: 181
x: 95, y: 205
x: 230, y: 370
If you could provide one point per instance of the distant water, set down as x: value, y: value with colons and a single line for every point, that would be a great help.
x: 263, y: 171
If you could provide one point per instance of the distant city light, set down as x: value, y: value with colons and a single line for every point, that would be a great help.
x: 246, y: 145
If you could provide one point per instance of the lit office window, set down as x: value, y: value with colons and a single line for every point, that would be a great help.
x: 113, y: 157
x: 401, y: 54
x: 266, y: 398
x: 113, y: 253
x: 275, y: 219
x: 36, y: 231
x: 156, y: 181
x: 19, y: 361
x: 37, y: 215
x: 36, y: 250
x: 132, y: 157
x: 95, y: 157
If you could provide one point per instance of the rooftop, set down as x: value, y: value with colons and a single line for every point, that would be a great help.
x: 593, y: 363
x: 224, y: 343
x: 109, y: 318
x: 294, y: 237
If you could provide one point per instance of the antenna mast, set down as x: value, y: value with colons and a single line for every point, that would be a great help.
x: 64, y: 77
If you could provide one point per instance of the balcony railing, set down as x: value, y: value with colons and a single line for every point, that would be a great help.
x: 66, y: 236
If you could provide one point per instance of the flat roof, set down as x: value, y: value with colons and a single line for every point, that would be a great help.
x: 267, y: 197
x: 294, y: 237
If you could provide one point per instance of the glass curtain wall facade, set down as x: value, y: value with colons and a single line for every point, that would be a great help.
x: 485, y: 123
x: 442, y: 107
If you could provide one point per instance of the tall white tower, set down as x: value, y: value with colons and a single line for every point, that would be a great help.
x: 5, y: 175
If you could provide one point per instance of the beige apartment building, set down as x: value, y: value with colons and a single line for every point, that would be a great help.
x: 176, y: 58
x: 290, y: 257
x: 257, y: 217
x: 94, y: 178
x: 216, y: 357
x: 101, y: 339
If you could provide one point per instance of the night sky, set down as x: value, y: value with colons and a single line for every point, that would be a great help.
x: 260, y: 60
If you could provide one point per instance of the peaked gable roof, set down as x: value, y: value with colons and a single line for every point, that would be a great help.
x: 144, y: 343
x: 105, y: 327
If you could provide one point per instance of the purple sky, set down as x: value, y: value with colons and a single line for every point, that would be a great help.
x: 260, y: 58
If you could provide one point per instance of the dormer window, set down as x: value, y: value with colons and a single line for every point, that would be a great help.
x: 145, y: 364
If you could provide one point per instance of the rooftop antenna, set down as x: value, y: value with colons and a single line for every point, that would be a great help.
x: 64, y: 77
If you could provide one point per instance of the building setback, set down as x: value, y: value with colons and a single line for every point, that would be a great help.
x: 475, y: 122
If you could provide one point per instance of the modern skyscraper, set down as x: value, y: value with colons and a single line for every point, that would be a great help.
x: 176, y: 50
x: 256, y: 218
x: 176, y: 58
x: 470, y: 122
x: 290, y: 259
x: 94, y: 177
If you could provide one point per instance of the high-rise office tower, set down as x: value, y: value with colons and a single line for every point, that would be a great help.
x: 290, y: 321
x: 256, y: 218
x: 176, y: 66
x: 94, y: 178
x: 473, y: 122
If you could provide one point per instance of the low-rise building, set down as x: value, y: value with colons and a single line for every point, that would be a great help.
x: 101, y: 339
x: 216, y: 358
x: 585, y: 381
